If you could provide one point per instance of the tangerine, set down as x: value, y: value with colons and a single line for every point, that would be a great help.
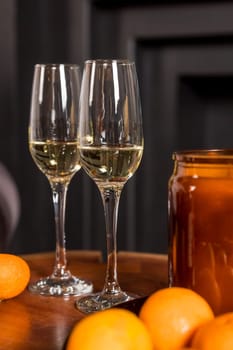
x: 172, y: 315
x: 14, y: 275
x: 115, y: 329
x: 216, y: 334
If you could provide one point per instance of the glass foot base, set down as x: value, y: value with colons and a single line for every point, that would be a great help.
x: 101, y: 301
x: 52, y: 286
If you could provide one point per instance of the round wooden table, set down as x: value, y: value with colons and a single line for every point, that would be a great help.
x: 31, y: 322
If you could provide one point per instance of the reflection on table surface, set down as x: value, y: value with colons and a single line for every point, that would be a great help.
x: 31, y: 322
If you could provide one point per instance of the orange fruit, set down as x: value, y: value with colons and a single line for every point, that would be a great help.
x: 172, y: 315
x: 111, y: 329
x: 14, y: 275
x: 216, y: 334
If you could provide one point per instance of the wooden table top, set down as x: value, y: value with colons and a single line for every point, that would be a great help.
x: 31, y: 322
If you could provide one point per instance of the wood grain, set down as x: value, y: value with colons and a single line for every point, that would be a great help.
x: 31, y: 322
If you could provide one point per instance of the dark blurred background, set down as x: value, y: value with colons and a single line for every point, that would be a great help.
x: 184, y: 56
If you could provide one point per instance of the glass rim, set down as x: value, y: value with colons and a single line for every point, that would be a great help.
x: 203, y: 155
x: 57, y: 65
x: 110, y: 61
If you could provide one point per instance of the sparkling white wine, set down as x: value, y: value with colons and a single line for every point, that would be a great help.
x: 58, y: 160
x: 111, y: 164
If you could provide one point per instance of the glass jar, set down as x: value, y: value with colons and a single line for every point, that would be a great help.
x: 200, y: 210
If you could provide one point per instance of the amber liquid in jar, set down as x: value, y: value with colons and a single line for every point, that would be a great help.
x: 201, y: 225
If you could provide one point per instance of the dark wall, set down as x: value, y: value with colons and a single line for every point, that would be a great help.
x: 184, y: 57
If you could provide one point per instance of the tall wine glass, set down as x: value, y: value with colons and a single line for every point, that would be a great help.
x: 53, y: 145
x: 111, y: 148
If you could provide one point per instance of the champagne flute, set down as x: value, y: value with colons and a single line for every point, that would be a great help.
x: 111, y: 148
x: 53, y: 145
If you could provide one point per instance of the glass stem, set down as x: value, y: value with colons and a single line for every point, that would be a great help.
x: 59, y: 191
x: 111, y: 197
